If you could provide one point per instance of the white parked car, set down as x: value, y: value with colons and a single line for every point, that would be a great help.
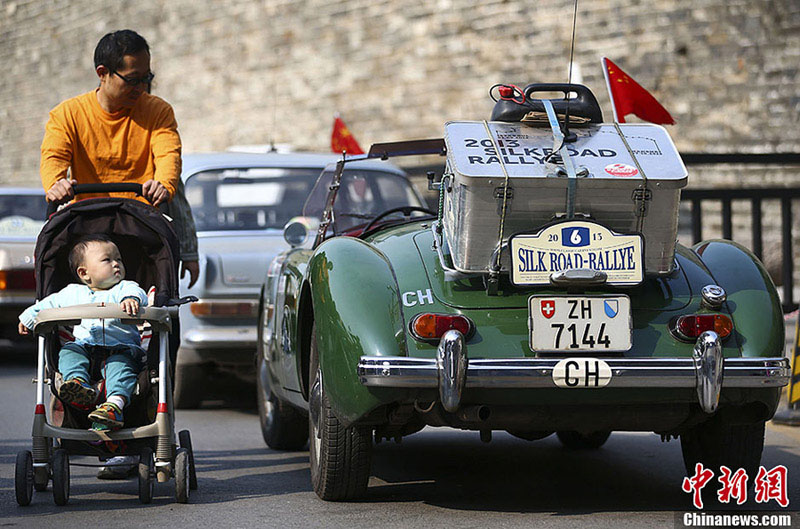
x: 240, y: 203
x: 22, y: 215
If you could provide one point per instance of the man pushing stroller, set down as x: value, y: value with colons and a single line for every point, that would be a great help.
x: 96, y: 261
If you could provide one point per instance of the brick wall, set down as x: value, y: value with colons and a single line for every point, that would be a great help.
x: 241, y: 72
x: 250, y: 72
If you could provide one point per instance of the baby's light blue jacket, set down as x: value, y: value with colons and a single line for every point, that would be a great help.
x: 93, y: 332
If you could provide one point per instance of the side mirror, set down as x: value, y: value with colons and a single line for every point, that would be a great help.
x: 300, y: 231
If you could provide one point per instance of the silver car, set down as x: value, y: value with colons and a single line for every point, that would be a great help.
x: 240, y: 203
x: 23, y: 212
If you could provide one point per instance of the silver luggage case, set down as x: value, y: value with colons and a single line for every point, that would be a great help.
x: 609, y: 189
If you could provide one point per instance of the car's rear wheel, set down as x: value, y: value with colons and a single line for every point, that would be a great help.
x: 282, y: 426
x: 717, y: 442
x: 188, y: 386
x: 581, y: 441
x: 340, y: 456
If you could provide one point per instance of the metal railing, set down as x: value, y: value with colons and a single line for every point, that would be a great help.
x: 755, y: 196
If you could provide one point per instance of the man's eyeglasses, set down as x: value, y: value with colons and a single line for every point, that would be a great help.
x: 134, y: 81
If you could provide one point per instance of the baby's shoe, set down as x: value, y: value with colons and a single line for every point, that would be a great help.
x: 77, y: 391
x: 107, y: 416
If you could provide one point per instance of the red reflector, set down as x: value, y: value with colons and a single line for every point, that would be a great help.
x: 696, y: 324
x: 39, y: 409
x: 162, y: 407
x: 224, y: 308
x: 433, y: 326
x: 17, y: 279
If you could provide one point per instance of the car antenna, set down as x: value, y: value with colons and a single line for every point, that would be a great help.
x: 570, y: 137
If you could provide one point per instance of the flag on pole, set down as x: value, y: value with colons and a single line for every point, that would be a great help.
x: 628, y: 97
x: 342, y: 140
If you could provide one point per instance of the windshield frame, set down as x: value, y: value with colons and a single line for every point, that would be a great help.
x: 382, y: 151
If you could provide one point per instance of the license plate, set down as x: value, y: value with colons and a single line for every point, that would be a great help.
x: 573, y: 245
x: 580, y: 323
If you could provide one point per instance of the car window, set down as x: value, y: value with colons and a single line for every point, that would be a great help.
x: 363, y: 195
x: 22, y: 214
x: 248, y: 199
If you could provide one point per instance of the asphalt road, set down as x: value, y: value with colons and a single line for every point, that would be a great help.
x: 437, y: 478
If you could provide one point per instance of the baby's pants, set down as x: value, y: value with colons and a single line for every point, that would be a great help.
x: 121, y: 370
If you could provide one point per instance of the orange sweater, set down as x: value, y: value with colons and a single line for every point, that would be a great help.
x: 132, y: 145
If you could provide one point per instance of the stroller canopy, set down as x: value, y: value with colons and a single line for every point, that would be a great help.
x: 147, y: 242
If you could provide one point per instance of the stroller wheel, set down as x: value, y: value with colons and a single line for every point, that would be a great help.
x: 147, y: 469
x: 61, y: 476
x: 23, y: 478
x: 182, y: 476
x: 185, y: 439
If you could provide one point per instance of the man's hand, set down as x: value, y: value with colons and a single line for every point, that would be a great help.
x: 24, y: 331
x: 193, y: 267
x: 61, y: 191
x: 130, y: 306
x: 155, y: 192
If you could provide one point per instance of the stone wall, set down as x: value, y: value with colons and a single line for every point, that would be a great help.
x: 252, y: 72
x: 256, y: 71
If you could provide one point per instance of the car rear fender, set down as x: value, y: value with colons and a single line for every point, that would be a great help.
x: 752, y: 298
x: 357, y: 311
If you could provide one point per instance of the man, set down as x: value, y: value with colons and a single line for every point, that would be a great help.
x: 119, y: 133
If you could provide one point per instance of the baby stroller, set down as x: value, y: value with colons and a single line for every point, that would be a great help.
x: 149, y: 249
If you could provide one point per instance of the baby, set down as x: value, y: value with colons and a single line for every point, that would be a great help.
x: 97, y: 263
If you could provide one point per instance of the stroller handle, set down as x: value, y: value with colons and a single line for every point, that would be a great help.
x: 108, y: 188
x: 119, y: 187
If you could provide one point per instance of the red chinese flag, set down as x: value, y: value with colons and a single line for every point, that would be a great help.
x: 628, y: 97
x: 342, y: 140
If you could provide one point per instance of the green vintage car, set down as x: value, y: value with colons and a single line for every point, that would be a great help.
x: 545, y: 294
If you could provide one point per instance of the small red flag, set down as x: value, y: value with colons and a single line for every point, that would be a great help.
x: 628, y: 97
x: 342, y: 140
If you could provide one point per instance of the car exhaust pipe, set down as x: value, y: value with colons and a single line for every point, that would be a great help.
x: 479, y: 413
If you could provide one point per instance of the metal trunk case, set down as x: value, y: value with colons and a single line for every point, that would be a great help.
x: 612, y: 187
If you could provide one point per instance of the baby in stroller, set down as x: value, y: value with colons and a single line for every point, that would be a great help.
x: 104, y: 311
x: 96, y: 261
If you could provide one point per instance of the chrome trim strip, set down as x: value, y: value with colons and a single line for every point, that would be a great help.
x: 227, y: 337
x: 407, y: 372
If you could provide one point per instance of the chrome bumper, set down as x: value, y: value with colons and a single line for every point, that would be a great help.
x: 224, y: 337
x: 451, y: 371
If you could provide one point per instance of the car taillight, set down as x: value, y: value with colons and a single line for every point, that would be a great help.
x: 691, y: 326
x: 430, y: 327
x: 224, y: 309
x: 17, y: 280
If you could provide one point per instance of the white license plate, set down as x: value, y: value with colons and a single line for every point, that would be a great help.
x: 580, y: 323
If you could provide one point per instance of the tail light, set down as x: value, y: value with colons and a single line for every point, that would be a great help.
x: 17, y: 279
x: 224, y: 309
x: 688, y: 328
x: 430, y: 327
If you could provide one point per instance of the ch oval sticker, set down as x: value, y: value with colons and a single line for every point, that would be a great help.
x: 581, y: 373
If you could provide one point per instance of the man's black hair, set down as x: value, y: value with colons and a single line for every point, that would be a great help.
x: 78, y: 252
x: 114, y: 46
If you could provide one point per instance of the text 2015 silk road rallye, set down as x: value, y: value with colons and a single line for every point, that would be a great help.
x: 547, y: 294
